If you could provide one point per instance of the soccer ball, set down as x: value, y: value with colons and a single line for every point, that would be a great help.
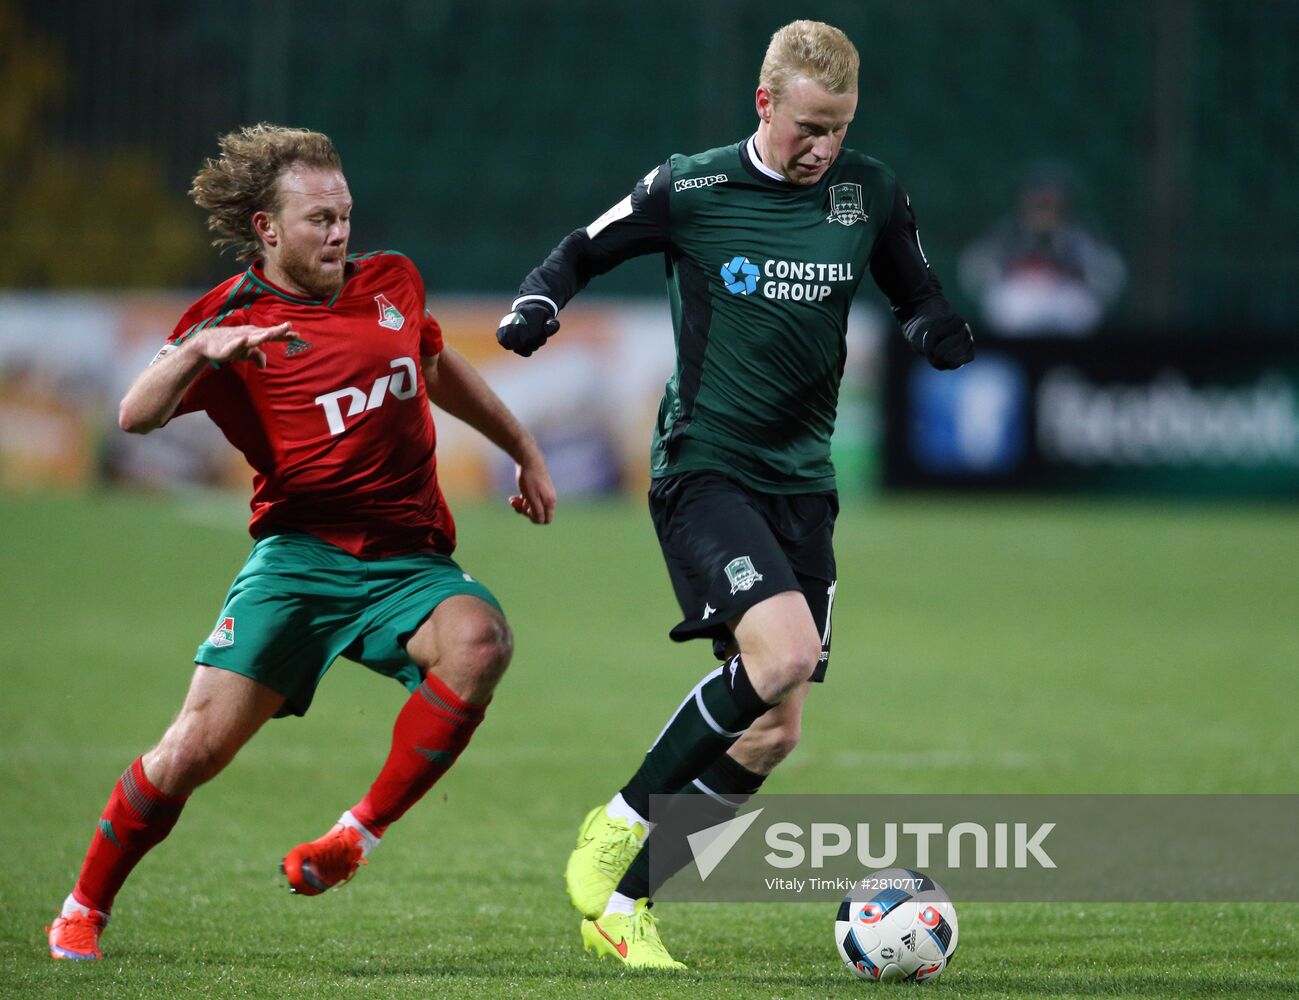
x: 897, y: 925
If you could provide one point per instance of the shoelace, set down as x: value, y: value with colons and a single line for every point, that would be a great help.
x: 79, y: 932
x: 643, y: 929
x: 616, y: 852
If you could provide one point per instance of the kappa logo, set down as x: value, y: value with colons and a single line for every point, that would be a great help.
x: 689, y: 183
x: 390, y: 318
x: 223, y: 634
x: 742, y: 574
x: 845, y: 205
x: 708, y: 610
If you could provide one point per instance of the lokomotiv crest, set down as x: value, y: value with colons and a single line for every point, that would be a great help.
x: 389, y: 316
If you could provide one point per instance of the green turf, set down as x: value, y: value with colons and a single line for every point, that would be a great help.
x: 988, y: 646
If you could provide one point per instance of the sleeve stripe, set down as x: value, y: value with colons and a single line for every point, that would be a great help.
x: 536, y: 298
x: 232, y: 304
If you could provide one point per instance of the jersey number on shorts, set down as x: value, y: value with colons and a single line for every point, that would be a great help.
x: 829, y: 608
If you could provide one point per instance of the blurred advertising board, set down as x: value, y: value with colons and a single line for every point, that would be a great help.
x: 590, y: 397
x: 1136, y: 415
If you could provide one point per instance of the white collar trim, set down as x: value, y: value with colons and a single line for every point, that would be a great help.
x: 757, y: 160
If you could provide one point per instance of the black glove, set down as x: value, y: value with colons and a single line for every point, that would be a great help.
x: 948, y: 343
x: 528, y: 327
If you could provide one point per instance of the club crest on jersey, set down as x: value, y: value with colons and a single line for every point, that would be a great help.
x: 845, y: 204
x: 742, y: 574
x: 389, y: 316
x: 223, y: 634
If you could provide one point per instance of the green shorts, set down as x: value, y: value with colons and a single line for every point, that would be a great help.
x: 299, y: 603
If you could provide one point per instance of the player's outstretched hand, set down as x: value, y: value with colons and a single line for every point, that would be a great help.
x: 529, y: 326
x: 536, y: 497
x: 241, y: 343
x: 948, y: 343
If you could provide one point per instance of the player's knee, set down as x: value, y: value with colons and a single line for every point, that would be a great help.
x: 788, y: 666
x: 485, y: 647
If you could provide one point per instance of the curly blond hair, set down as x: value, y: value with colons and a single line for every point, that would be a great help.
x: 244, y: 179
x: 813, y: 49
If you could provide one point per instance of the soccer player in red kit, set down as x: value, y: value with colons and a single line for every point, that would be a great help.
x: 319, y: 366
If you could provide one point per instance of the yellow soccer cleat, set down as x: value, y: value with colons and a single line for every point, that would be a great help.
x: 605, y: 850
x: 629, y: 938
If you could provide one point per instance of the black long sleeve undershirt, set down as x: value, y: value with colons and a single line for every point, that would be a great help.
x: 639, y: 225
x: 902, y: 273
x: 636, y: 226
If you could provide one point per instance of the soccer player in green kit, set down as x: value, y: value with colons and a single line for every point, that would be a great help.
x: 765, y: 242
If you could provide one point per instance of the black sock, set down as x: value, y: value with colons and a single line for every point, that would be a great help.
x: 715, y: 796
x: 714, y: 715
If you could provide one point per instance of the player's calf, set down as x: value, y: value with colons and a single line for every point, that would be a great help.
x: 773, y: 737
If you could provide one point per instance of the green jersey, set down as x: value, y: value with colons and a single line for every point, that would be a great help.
x: 760, y: 273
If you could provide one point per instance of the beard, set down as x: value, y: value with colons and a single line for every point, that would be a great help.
x: 305, y: 271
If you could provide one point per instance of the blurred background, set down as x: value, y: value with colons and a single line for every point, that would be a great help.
x: 1104, y: 187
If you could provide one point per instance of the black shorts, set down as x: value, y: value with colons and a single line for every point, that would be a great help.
x: 728, y: 547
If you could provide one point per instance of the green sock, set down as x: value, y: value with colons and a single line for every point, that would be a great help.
x: 713, y: 716
x: 714, y: 797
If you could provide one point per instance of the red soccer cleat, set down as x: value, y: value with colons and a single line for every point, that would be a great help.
x: 77, y: 936
x: 324, y: 863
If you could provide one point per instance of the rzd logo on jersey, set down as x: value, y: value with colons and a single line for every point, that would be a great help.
x: 402, y: 385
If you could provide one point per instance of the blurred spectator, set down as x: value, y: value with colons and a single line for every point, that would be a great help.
x: 1039, y: 271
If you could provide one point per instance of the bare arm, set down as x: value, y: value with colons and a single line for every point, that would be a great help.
x: 158, y: 390
x: 455, y: 386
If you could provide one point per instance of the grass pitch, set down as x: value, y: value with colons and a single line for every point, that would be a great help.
x: 989, y: 646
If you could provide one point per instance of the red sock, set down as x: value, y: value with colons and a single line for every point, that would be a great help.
x: 137, y: 818
x: 431, y: 729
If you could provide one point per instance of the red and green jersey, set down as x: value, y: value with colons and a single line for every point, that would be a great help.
x: 337, y: 426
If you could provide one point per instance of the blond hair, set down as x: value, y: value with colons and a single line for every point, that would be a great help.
x: 813, y: 49
x: 244, y: 179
